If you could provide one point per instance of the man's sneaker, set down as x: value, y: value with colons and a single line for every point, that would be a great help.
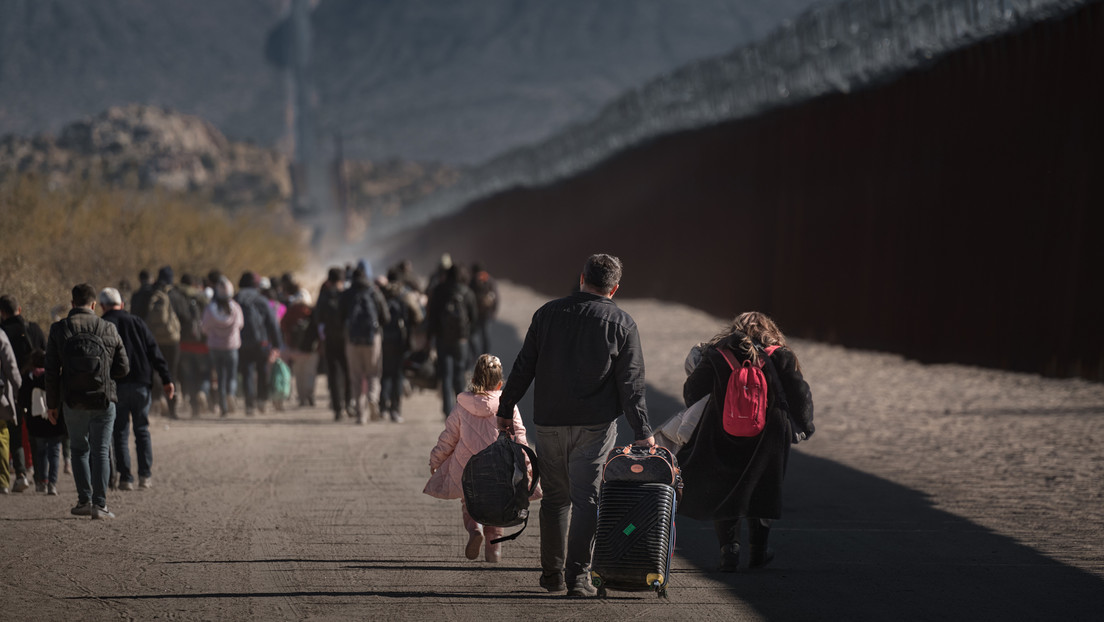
x: 82, y: 509
x: 126, y: 485
x: 98, y: 513
x: 553, y: 582
x: 582, y: 589
x: 40, y: 486
x: 20, y: 484
x: 145, y: 483
x: 51, y: 489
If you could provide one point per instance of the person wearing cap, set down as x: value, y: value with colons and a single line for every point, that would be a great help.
x: 135, y: 390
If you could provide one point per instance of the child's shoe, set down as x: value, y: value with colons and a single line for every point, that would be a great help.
x: 475, y: 542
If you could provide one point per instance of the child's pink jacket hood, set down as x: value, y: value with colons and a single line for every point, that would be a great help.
x: 469, y: 429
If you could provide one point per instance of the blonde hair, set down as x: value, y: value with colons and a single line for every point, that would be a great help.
x: 487, y: 375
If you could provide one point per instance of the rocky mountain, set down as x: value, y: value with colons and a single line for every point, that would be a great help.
x: 425, y: 80
x: 147, y: 147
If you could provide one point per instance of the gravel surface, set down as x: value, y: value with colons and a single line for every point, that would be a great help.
x: 927, y: 492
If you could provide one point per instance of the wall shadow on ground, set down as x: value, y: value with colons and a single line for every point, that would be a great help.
x: 854, y: 546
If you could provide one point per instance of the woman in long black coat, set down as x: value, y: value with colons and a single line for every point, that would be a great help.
x: 728, y: 478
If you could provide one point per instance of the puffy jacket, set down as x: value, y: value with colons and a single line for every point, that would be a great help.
x: 584, y: 353
x: 223, y: 331
x: 469, y: 429
x: 260, y: 328
x: 82, y: 320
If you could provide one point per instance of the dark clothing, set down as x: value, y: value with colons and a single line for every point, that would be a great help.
x: 328, y: 315
x: 729, y: 477
x: 39, y: 427
x: 586, y: 357
x: 132, y: 409
x: 24, y: 337
x: 260, y: 328
x: 140, y: 301
x: 439, y: 298
x: 142, y: 351
x: 82, y: 320
x: 363, y: 312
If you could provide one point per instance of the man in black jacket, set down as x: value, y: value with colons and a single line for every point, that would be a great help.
x: 89, y: 394
x: 24, y: 336
x: 584, y: 353
x: 134, y: 390
x: 450, y: 316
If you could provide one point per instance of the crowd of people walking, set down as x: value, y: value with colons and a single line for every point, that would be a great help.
x: 204, y: 344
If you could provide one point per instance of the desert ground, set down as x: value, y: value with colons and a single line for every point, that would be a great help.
x: 927, y: 492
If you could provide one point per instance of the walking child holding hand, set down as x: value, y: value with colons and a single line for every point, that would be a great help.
x: 469, y: 429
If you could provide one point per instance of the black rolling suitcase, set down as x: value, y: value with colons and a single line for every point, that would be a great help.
x: 635, y: 538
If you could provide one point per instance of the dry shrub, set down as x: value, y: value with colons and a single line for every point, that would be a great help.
x: 52, y: 239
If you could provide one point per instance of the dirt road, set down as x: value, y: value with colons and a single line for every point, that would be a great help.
x: 928, y: 492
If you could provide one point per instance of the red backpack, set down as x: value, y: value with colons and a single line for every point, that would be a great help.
x: 745, y: 404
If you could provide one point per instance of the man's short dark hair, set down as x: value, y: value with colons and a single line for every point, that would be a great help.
x: 8, y: 304
x: 602, y: 272
x: 83, y: 295
x: 335, y: 275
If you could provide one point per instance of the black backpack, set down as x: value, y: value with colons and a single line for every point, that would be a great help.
x: 362, y: 323
x: 395, y: 331
x: 86, y: 371
x: 497, y: 487
x: 456, y: 322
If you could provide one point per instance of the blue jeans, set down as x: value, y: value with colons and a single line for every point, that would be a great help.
x: 133, y: 405
x: 46, y: 455
x: 226, y: 370
x: 90, y: 444
x: 571, y: 460
x: 452, y: 362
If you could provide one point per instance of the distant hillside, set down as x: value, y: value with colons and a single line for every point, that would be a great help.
x: 146, y: 147
x: 425, y: 80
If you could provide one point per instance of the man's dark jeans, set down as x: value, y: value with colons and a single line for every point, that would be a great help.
x: 452, y: 364
x: 391, y: 377
x: 133, y: 408
x: 571, y: 460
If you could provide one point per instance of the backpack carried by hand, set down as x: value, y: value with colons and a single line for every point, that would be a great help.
x: 85, y: 370
x: 744, y: 413
x: 497, y: 485
x: 162, y: 318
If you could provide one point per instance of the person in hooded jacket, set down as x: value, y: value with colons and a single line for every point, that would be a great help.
x: 260, y: 337
x: 729, y: 478
x: 222, y: 323
x: 364, y: 313
x: 469, y: 429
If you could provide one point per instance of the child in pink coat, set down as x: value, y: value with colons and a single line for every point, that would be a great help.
x: 469, y: 429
